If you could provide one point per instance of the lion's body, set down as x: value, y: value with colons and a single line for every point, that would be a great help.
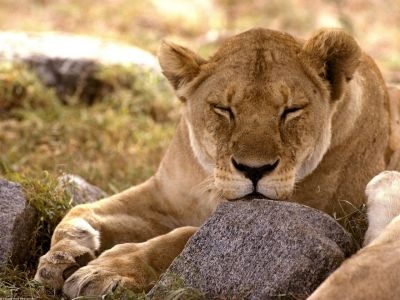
x: 290, y: 120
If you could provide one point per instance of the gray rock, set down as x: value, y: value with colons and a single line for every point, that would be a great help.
x: 69, y: 63
x: 17, y: 220
x: 23, y: 45
x: 259, y: 250
x: 69, y: 76
x: 80, y: 190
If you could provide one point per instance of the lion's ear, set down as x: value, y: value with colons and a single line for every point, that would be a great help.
x: 336, y: 56
x: 179, y: 64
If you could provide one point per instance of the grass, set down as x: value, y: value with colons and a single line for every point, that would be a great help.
x: 50, y: 202
x: 176, y: 289
x: 16, y: 282
x: 356, y: 222
x: 105, y: 143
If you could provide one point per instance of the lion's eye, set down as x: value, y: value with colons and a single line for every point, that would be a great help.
x: 291, y: 112
x: 224, y: 111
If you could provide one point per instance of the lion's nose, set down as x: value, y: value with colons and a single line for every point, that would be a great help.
x: 255, y: 173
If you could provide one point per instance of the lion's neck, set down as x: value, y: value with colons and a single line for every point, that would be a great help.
x: 182, y: 177
x: 348, y: 111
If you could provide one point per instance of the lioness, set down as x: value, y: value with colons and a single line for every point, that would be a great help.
x: 267, y: 116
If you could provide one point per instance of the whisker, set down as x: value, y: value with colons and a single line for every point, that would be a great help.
x: 204, y: 186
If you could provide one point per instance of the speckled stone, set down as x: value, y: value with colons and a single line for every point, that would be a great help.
x: 17, y: 220
x: 260, y: 250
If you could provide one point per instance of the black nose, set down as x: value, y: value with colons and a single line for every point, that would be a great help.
x: 255, y: 173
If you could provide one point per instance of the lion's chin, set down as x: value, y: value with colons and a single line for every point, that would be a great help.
x: 251, y: 196
x: 256, y: 195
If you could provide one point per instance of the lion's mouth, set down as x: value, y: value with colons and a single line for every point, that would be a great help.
x: 252, y: 196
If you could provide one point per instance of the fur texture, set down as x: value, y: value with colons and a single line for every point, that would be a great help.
x: 372, y: 273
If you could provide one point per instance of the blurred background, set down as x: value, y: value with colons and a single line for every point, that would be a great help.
x: 81, y: 91
x: 198, y: 23
x: 116, y: 138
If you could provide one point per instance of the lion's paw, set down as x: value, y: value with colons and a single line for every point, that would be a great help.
x: 95, y: 280
x: 61, y: 262
x: 383, y: 203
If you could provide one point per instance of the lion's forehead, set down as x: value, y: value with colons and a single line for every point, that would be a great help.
x: 270, y: 95
x: 274, y: 43
x: 257, y: 62
x: 260, y: 71
x: 238, y: 91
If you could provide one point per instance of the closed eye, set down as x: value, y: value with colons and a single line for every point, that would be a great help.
x: 224, y: 111
x: 291, y: 112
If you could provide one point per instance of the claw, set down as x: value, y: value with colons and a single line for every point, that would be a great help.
x: 91, y: 281
x: 61, y: 262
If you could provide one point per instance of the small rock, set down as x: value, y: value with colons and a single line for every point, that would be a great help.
x: 69, y: 77
x: 69, y: 63
x: 260, y: 250
x: 55, y: 45
x: 17, y: 218
x: 80, y: 190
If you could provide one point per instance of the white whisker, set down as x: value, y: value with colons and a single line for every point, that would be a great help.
x: 204, y: 186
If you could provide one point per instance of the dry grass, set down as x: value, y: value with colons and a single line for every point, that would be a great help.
x: 114, y: 143
x: 375, y: 23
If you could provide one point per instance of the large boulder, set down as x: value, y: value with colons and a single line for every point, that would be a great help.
x: 17, y: 220
x: 259, y: 250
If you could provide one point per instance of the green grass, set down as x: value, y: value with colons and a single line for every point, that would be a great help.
x: 16, y: 282
x: 176, y: 289
x: 114, y: 143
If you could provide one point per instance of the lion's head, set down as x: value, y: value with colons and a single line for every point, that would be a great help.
x: 259, y: 111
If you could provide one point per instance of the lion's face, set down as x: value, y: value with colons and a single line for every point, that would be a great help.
x: 259, y: 135
x: 259, y: 116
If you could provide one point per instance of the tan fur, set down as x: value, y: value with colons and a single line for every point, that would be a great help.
x: 394, y: 142
x: 372, y: 273
x: 312, y: 113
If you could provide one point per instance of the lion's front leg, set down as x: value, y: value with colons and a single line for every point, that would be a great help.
x: 74, y: 244
x: 135, y: 215
x: 135, y: 266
